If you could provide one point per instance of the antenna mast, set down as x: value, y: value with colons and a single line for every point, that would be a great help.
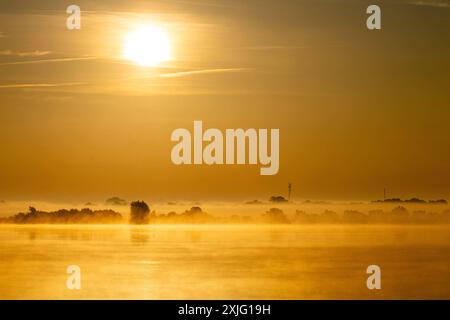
x: 289, y: 191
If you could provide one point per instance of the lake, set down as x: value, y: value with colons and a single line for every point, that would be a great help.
x: 224, y: 262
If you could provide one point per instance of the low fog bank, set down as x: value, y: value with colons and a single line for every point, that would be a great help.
x: 274, y: 210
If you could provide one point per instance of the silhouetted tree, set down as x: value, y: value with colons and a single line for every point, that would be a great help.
x: 275, y: 215
x: 116, y: 201
x: 278, y: 199
x: 139, y: 212
x: 353, y: 216
x: 440, y: 201
x: 73, y: 216
x: 193, y: 211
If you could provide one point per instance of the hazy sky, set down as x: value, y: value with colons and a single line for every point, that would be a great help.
x: 357, y: 110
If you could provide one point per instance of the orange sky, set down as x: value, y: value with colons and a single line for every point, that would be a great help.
x: 357, y: 110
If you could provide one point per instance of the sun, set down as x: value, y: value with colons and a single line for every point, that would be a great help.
x: 147, y: 46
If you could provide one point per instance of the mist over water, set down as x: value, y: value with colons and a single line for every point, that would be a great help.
x: 224, y: 208
x: 224, y: 262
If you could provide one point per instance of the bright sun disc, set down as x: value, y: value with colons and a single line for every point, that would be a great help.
x: 147, y: 46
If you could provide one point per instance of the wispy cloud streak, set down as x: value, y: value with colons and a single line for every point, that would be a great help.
x: 39, y: 85
x: 203, y: 71
x: 433, y: 3
x: 36, y: 53
x: 46, y: 61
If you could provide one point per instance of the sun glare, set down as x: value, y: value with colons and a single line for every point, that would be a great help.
x: 147, y: 46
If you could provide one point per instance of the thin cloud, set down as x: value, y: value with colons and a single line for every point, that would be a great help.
x: 36, y: 53
x: 204, y: 3
x: 434, y: 3
x: 204, y: 71
x: 273, y: 47
x: 39, y: 85
x: 46, y: 61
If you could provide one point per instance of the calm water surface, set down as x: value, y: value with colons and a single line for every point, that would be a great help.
x: 224, y: 262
